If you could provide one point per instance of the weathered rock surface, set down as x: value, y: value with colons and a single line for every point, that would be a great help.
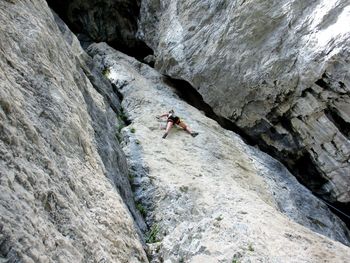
x: 63, y: 176
x: 110, y: 21
x: 213, y: 198
x: 278, y: 69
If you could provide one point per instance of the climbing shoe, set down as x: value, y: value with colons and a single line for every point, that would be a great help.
x: 194, y: 134
x: 165, y: 135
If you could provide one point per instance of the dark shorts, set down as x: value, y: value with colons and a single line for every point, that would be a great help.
x: 175, y: 120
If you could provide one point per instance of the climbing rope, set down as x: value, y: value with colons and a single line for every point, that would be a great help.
x: 334, y: 208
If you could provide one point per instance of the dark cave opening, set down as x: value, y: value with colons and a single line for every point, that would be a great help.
x: 122, y: 23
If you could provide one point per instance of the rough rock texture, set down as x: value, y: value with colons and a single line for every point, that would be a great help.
x: 114, y: 22
x: 213, y: 198
x: 278, y: 69
x: 63, y: 176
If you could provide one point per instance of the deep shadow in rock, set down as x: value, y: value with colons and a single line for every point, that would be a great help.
x: 113, y: 22
x: 189, y: 94
x: 338, y: 121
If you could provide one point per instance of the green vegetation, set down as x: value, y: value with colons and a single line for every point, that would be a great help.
x: 250, y: 247
x: 152, y: 234
x: 184, y: 189
x: 106, y: 71
x: 122, y: 116
x: 121, y: 123
x: 120, y: 127
x: 141, y: 209
x: 117, y: 135
x: 236, y: 257
x: 131, y: 177
x: 219, y: 218
x: 132, y: 130
x: 119, y: 131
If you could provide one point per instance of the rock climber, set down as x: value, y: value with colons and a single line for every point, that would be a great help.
x: 172, y: 119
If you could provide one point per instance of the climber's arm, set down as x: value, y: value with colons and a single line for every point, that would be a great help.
x: 161, y: 116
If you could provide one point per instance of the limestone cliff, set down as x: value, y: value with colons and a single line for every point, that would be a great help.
x: 278, y: 69
x: 212, y: 198
x: 64, y: 192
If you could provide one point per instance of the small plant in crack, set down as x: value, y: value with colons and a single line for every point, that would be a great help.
x: 121, y: 123
x: 131, y: 177
x: 152, y: 235
x: 123, y: 117
x: 132, y: 130
x: 117, y: 135
x: 236, y: 257
x: 106, y: 71
x: 141, y: 209
x: 119, y: 130
x: 219, y: 218
x: 184, y: 189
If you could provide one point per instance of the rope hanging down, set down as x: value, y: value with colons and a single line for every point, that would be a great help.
x: 334, y: 208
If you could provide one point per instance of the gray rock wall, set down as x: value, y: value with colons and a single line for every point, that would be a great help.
x: 212, y: 198
x: 278, y: 69
x: 64, y: 192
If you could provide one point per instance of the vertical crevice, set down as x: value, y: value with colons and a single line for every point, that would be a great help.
x: 338, y: 121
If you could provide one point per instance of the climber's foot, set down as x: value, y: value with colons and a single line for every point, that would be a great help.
x: 194, y: 134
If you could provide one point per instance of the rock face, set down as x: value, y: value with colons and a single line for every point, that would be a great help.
x: 278, y: 69
x: 64, y: 180
x: 64, y: 191
x: 114, y: 22
x: 213, y: 198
